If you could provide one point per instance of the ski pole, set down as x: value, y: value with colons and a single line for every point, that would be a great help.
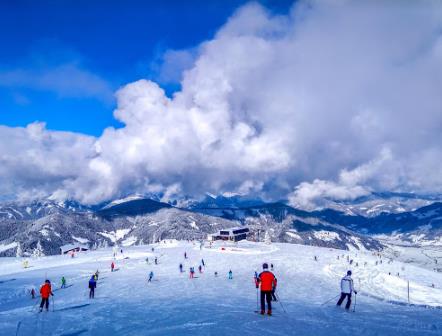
x: 354, y: 306
x: 279, y: 300
x: 257, y: 294
x: 333, y: 298
x: 53, y: 303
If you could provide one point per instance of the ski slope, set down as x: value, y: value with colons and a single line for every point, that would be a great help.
x: 126, y: 304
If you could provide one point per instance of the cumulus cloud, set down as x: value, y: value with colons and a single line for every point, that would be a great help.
x: 334, y: 99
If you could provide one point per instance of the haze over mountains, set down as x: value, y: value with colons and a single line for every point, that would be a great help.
x: 367, y: 223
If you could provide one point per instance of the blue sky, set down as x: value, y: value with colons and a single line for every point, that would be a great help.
x: 61, y: 61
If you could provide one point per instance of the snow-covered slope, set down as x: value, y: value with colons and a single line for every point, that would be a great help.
x: 126, y: 304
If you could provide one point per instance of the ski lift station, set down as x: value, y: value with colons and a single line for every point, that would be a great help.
x: 233, y: 234
x: 73, y: 248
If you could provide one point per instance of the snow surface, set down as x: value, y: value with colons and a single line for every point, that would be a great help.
x: 126, y: 304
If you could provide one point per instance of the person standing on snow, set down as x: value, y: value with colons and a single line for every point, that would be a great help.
x: 185, y: 255
x: 150, y: 276
x: 191, y: 272
x: 156, y: 261
x: 45, y: 291
x: 92, y: 286
x: 63, y: 282
x: 200, y: 269
x: 267, y: 281
x: 230, y: 275
x: 347, y: 289
x: 33, y: 293
x: 112, y: 266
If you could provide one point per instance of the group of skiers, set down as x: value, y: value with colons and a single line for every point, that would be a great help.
x: 266, y: 282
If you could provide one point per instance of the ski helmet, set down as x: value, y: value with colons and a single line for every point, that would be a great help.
x: 265, y: 266
x: 348, y: 272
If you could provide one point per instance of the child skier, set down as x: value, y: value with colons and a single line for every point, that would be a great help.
x: 150, y: 276
x: 63, y: 282
x: 230, y: 275
x: 33, y: 293
x: 347, y: 289
x: 112, y: 266
x: 92, y: 286
x: 45, y: 291
x: 267, y: 281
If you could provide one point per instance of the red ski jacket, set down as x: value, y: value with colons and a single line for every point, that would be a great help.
x: 45, y: 291
x: 267, y: 280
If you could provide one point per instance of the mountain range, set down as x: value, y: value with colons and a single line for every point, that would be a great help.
x: 42, y: 227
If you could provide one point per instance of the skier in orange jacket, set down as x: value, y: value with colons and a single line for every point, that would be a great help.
x: 45, y: 291
x: 267, y: 281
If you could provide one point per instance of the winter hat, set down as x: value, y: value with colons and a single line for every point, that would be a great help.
x: 348, y: 272
x: 265, y: 266
x: 47, y: 281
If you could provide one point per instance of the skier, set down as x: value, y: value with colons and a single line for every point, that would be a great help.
x: 45, y: 291
x: 147, y: 260
x: 112, y: 266
x: 181, y: 268
x: 230, y: 275
x: 156, y: 261
x: 150, y: 276
x: 185, y: 255
x: 316, y: 258
x: 216, y: 274
x: 92, y: 286
x: 97, y: 273
x: 33, y: 293
x: 63, y: 282
x: 200, y: 269
x: 271, y: 267
x: 191, y: 272
x: 267, y: 281
x: 202, y: 262
x: 347, y: 289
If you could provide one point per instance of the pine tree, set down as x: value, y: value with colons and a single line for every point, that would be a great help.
x: 267, y: 238
x: 38, y: 251
x: 19, y: 251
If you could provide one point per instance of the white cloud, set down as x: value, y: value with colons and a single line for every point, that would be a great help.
x: 66, y: 80
x: 344, y: 94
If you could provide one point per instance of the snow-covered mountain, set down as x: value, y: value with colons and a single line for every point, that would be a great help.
x: 378, y: 203
x: 47, y: 225
x: 137, y: 220
x: 38, y: 209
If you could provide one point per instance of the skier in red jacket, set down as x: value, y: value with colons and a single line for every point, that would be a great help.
x: 267, y: 281
x: 45, y: 291
x: 112, y: 266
